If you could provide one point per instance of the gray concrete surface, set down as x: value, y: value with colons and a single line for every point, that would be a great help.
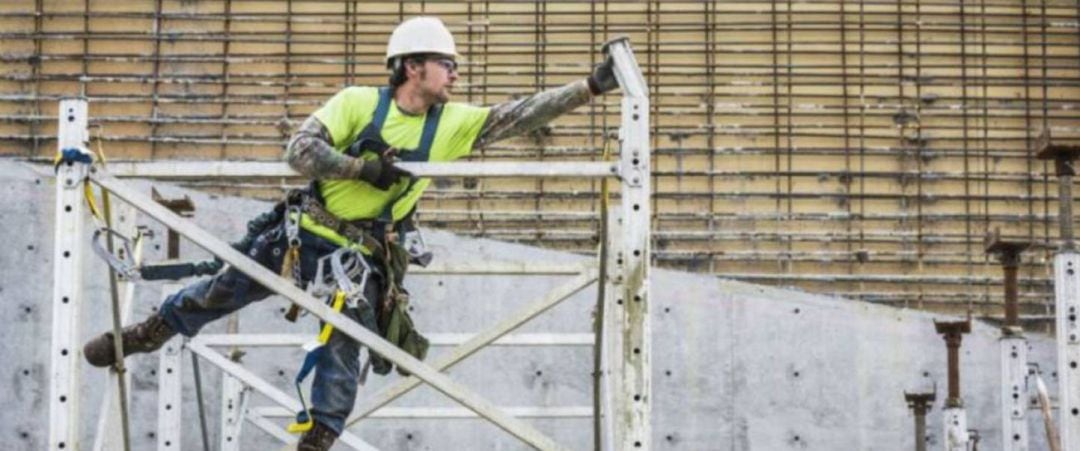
x: 736, y: 366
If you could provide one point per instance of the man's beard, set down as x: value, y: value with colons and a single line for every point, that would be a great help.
x: 439, y: 96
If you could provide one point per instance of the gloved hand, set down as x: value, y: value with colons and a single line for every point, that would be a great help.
x: 602, y: 78
x: 381, y: 172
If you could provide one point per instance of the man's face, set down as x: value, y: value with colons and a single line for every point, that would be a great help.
x: 437, y: 76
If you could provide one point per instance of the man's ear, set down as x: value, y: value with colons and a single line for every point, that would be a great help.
x: 414, y: 66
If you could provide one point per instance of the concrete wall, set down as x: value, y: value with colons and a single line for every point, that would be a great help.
x: 736, y: 366
x: 849, y: 148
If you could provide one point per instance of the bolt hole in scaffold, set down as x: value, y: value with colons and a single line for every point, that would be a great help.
x: 626, y: 381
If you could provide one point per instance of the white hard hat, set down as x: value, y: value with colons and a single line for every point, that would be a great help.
x: 420, y: 35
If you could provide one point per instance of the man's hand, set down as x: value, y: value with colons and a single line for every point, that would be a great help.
x: 602, y: 78
x: 381, y: 172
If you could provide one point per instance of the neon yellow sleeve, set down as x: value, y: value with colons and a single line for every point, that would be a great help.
x: 347, y: 113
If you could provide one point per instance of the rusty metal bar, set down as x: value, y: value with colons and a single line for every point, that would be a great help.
x: 1064, y: 157
x: 953, y: 331
x: 182, y: 206
x: 920, y: 403
x: 1008, y: 253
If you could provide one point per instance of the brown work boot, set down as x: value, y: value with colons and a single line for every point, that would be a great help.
x: 146, y: 336
x: 319, y: 438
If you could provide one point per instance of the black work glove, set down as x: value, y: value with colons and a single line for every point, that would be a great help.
x: 381, y: 172
x: 602, y: 78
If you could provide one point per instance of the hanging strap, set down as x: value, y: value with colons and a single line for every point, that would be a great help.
x: 304, y: 420
x: 373, y: 130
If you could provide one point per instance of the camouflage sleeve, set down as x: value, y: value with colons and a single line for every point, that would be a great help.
x: 311, y: 153
x: 523, y: 115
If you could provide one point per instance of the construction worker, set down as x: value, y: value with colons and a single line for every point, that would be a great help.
x: 349, y: 147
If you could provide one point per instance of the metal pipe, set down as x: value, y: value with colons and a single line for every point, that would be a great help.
x: 953, y: 333
x: 199, y: 402
x: 1008, y: 253
x: 1012, y: 307
x: 920, y: 404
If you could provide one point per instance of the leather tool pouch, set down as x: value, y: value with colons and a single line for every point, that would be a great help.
x: 395, y: 323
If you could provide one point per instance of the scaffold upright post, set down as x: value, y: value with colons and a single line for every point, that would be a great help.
x: 1066, y: 290
x: 170, y: 388
x: 635, y: 252
x: 64, y: 352
x: 1013, y: 346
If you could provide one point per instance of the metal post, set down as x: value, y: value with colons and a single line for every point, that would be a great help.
x: 1014, y: 393
x: 955, y: 419
x: 64, y: 351
x: 170, y: 389
x: 920, y: 403
x: 109, y: 434
x: 1013, y: 345
x: 233, y: 403
x: 613, y: 346
x: 1066, y: 291
x: 633, y: 431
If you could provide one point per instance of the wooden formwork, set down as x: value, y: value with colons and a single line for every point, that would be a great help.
x: 857, y: 148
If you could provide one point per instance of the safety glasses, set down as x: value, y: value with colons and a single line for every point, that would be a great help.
x: 447, y: 63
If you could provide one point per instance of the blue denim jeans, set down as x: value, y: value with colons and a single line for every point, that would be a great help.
x: 333, y: 391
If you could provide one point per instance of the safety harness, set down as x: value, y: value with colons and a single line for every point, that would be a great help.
x: 372, y: 234
x: 392, y: 319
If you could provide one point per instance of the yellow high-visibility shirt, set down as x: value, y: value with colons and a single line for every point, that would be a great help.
x: 347, y: 113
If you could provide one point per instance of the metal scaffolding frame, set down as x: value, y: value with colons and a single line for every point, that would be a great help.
x: 627, y: 283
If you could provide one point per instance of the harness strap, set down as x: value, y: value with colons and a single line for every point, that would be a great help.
x: 373, y: 131
x: 315, y: 351
x: 362, y: 232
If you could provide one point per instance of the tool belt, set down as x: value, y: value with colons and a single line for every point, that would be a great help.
x: 393, y: 319
x: 363, y: 232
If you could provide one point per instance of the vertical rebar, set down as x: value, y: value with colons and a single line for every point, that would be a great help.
x: 710, y: 116
x: 968, y: 254
x: 776, y: 122
x: 1065, y: 200
x: 225, y: 83
x: 845, y: 180
x: 35, y: 74
x: 154, y: 101
x: 85, y: 48
x: 1029, y: 179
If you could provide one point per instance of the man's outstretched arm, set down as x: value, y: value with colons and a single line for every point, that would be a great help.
x: 521, y: 116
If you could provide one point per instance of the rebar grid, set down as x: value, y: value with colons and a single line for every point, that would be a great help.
x: 859, y: 148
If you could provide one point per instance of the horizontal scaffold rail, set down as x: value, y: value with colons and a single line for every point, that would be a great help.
x: 232, y: 169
